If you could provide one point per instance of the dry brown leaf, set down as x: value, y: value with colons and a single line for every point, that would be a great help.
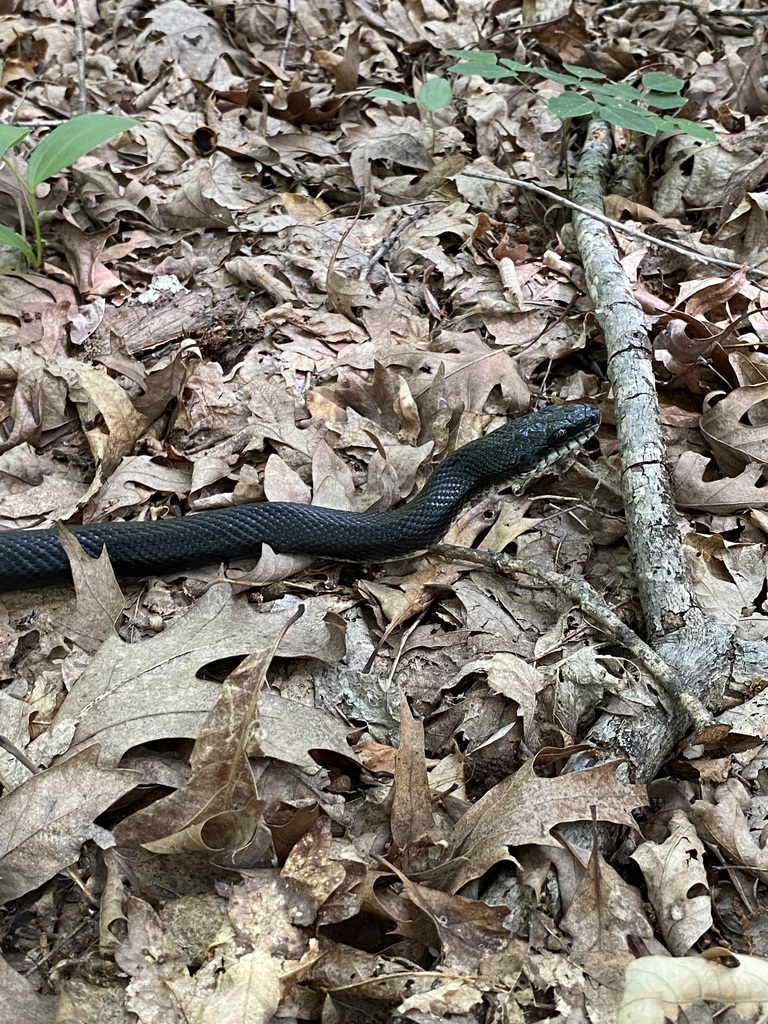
x: 292, y: 732
x: 135, y: 693
x: 99, y: 598
x: 703, y: 296
x: 19, y: 1000
x: 415, y: 833
x: 605, y: 919
x: 524, y: 808
x: 721, y: 497
x: 176, y: 32
x: 750, y: 718
x: 36, y: 489
x: 472, y: 370
x: 124, y: 424
x: 160, y: 987
x: 737, y: 428
x: 469, y: 931
x: 132, y: 484
x: 45, y: 821
x: 83, y: 250
x: 673, y: 870
x: 723, y: 823
x: 218, y: 807
x: 515, y: 679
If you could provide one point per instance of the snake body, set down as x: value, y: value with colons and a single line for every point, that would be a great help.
x: 31, y: 558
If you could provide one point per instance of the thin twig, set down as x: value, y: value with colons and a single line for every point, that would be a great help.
x: 593, y: 606
x: 717, y: 26
x: 292, y: 16
x: 528, y: 186
x: 80, y: 56
x: 390, y: 240
x: 21, y: 757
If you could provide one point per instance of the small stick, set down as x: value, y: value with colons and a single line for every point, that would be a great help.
x: 593, y: 606
x: 21, y: 757
x: 292, y: 15
x: 80, y: 55
x: 528, y: 186
x: 390, y: 240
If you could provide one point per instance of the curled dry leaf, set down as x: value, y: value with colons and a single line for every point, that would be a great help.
x: 657, y: 987
x: 737, y: 428
x: 724, y: 824
x: 678, y: 888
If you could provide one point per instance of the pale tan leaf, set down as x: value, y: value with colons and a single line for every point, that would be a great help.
x: 657, y: 987
x: 723, y: 496
x: 673, y: 869
x: 135, y: 693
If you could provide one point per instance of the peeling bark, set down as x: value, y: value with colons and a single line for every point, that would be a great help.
x: 702, y: 650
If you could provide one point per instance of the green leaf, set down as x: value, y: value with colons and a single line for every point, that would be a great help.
x: 660, y: 81
x: 434, y: 94
x: 555, y: 76
x: 484, y: 68
x: 580, y: 72
x: 693, y: 128
x: 8, y: 237
x: 570, y: 104
x: 617, y: 90
x: 664, y: 101
x: 391, y: 94
x: 516, y: 66
x: 9, y: 136
x: 71, y: 140
x: 633, y: 118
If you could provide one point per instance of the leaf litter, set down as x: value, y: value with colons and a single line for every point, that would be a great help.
x: 277, y: 287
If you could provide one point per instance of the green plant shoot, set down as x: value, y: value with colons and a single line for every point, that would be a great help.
x: 433, y: 95
x: 59, y: 149
x: 588, y: 93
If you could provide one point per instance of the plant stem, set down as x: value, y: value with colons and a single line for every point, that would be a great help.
x: 36, y: 224
x: 31, y: 200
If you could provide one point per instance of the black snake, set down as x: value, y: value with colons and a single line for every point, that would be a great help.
x: 34, y: 557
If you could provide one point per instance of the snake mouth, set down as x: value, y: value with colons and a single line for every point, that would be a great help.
x: 570, y: 445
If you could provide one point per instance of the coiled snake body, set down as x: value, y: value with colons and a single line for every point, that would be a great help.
x: 34, y: 557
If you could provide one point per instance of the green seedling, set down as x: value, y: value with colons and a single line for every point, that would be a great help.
x: 59, y: 149
x: 588, y: 93
x: 433, y: 95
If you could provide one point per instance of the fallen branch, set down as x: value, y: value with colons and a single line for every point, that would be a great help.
x: 701, y: 650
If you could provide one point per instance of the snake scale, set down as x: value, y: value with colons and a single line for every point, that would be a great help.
x: 522, y: 447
